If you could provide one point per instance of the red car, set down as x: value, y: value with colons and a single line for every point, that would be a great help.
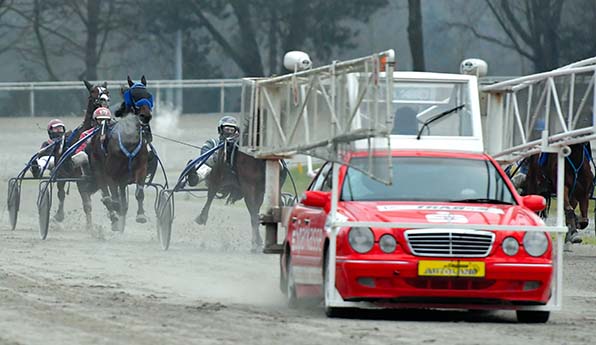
x: 444, y: 262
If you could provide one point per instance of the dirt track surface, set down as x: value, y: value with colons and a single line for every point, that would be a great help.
x: 92, y: 286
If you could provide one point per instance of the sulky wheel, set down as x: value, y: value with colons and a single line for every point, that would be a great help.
x: 165, y: 216
x: 44, y: 204
x: 13, y: 201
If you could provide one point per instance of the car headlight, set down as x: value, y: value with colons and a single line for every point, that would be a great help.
x: 535, y: 243
x: 361, y: 239
x: 510, y: 246
x: 387, y: 243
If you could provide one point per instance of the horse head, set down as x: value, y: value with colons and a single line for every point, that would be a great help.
x: 138, y: 100
x: 99, y: 96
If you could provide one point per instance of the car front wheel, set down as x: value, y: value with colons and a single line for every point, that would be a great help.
x: 291, y: 297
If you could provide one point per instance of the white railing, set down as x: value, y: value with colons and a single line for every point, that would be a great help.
x: 164, y: 91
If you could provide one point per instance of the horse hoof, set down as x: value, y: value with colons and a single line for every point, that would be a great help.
x: 574, y: 238
x: 582, y: 225
x: 141, y: 218
x: 114, y: 218
x: 200, y: 220
x: 59, y: 217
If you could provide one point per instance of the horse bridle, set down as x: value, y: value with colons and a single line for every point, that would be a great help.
x: 103, y: 97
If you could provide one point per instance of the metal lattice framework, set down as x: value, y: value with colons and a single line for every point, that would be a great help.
x: 541, y: 112
x: 307, y: 112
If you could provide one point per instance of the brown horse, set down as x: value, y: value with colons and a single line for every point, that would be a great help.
x: 99, y: 96
x: 542, y: 179
x: 236, y: 175
x: 119, y: 158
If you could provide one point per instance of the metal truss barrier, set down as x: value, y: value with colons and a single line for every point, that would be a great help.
x: 309, y: 111
x: 540, y: 112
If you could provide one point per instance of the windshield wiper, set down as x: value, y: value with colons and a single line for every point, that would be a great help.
x: 437, y: 117
x: 483, y: 201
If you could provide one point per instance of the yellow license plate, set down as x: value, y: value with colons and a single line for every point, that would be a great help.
x: 454, y: 268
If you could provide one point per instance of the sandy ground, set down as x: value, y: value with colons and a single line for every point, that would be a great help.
x: 81, y: 288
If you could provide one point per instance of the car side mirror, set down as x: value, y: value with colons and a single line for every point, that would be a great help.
x: 316, y: 198
x: 535, y: 203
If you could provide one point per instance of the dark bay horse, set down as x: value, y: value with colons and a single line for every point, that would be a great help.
x: 578, y: 186
x: 120, y: 157
x: 99, y: 96
x: 234, y: 176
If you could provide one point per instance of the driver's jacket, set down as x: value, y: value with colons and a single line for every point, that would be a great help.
x: 208, y: 145
x: 85, y: 134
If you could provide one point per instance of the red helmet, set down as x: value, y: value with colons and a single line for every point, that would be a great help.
x: 102, y: 113
x: 56, y: 128
x: 56, y: 123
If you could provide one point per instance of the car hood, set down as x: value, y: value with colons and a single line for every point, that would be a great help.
x: 439, y: 213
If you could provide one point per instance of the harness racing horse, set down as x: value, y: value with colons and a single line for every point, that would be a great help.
x: 578, y: 186
x: 236, y: 175
x: 119, y: 156
x: 99, y: 96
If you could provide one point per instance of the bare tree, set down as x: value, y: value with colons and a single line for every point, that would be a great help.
x: 415, y: 35
x: 252, y: 32
x: 11, y: 32
x: 57, y: 26
x: 532, y: 28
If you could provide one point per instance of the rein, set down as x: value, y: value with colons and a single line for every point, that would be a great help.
x: 177, y: 141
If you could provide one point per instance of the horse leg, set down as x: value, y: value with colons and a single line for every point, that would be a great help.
x: 202, y: 218
x: 583, y: 207
x: 114, y: 207
x: 140, y: 196
x: 253, y: 200
x: 123, y: 194
x: 86, y: 198
x: 253, y: 210
x: 570, y: 219
x: 59, y: 216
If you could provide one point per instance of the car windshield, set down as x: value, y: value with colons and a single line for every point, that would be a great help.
x: 416, y: 103
x: 429, y: 179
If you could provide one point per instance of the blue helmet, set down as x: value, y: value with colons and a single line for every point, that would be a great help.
x: 539, y: 125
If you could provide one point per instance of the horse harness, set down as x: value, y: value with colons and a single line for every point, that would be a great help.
x: 576, y: 169
x: 130, y: 155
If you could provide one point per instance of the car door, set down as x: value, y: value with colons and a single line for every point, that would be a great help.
x: 308, y: 234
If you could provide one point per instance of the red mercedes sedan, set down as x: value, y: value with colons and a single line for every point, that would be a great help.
x: 450, y: 259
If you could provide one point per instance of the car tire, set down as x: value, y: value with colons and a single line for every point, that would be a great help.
x: 283, y: 279
x: 532, y: 316
x: 291, y: 296
x: 329, y: 311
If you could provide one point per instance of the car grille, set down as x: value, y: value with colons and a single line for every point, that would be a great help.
x: 450, y: 243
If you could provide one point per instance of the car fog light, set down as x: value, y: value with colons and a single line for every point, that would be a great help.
x: 366, y: 281
x: 531, y: 285
x: 510, y: 246
x: 387, y: 243
x: 361, y: 239
x: 535, y: 243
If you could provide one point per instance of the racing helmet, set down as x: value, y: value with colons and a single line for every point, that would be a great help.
x: 102, y: 114
x: 227, y: 127
x: 56, y: 128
